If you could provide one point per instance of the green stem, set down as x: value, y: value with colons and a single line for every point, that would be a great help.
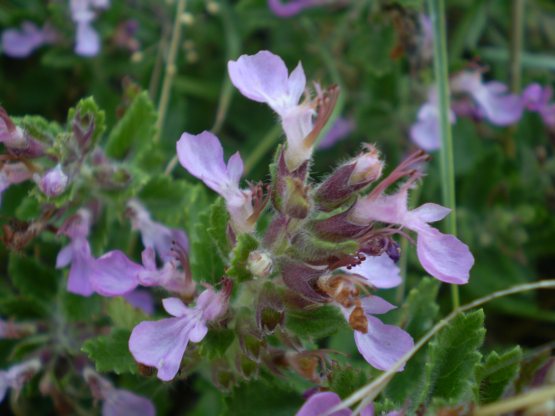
x: 368, y: 393
x: 516, y: 44
x: 170, y: 69
x: 447, y: 165
x: 268, y: 142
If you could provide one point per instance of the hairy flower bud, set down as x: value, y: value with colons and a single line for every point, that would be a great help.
x: 368, y: 167
x: 54, y: 182
x: 296, y: 200
x: 259, y: 263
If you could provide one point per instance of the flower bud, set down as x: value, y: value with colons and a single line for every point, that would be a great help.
x: 368, y: 167
x: 296, y: 201
x: 259, y: 263
x: 11, y: 135
x: 54, y: 182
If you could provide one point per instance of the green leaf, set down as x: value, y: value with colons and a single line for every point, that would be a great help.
x: 239, y: 256
x: 123, y: 314
x: 88, y: 110
x: 31, y: 277
x: 452, y: 356
x: 111, y: 352
x: 216, y: 342
x: 419, y: 312
x: 346, y: 380
x: 261, y: 397
x: 79, y: 308
x: 495, y: 374
x: 316, y: 323
x: 208, y: 241
x: 135, y: 131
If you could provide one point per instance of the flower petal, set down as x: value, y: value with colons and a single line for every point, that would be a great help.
x: 374, y: 305
x: 87, y: 41
x: 114, y: 274
x: 160, y: 344
x: 383, y: 345
x: 175, y: 307
x: 80, y: 273
x: 64, y: 257
x: 444, y: 256
x: 430, y: 212
x: 380, y: 271
x: 320, y: 403
x: 124, y: 403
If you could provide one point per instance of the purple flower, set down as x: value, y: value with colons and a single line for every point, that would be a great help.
x: 17, y: 376
x: 77, y: 253
x: 339, y: 131
x: 536, y: 98
x: 113, y: 274
x: 426, y: 132
x: 492, y: 98
x: 20, y: 43
x: 319, y: 403
x: 117, y: 402
x: 161, y: 344
x: 87, y: 42
x: 12, y: 173
x: 264, y: 78
x: 292, y: 7
x: 155, y: 234
x: 443, y: 256
x: 53, y: 183
x: 140, y: 299
x: 203, y: 157
x: 378, y: 271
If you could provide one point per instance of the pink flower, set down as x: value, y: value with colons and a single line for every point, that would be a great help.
x: 319, y: 403
x: 161, y: 344
x: 264, y: 78
x: 11, y: 174
x: 492, y: 98
x: 53, y: 183
x: 378, y: 271
x: 155, y: 234
x: 203, y: 157
x: 117, y: 402
x: 443, y: 256
x: 536, y: 98
x: 20, y: 43
x: 17, y: 376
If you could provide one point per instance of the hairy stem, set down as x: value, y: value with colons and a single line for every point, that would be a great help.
x: 528, y: 399
x: 447, y: 165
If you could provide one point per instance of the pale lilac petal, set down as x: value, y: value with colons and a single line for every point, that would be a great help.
x: 175, y: 307
x: 391, y: 209
x: 198, y: 332
x: 425, y: 133
x: 444, y: 256
x: 79, y: 279
x: 374, y: 305
x: 380, y: 271
x: 533, y: 97
x: 148, y: 257
x: 288, y: 8
x: 383, y: 345
x: 264, y: 78
x: 430, y: 212
x: 64, y: 257
x: 319, y: 403
x: 212, y: 304
x: 114, y: 274
x: 499, y: 108
x: 3, y: 385
x: 368, y: 410
x: 235, y: 168
x: 124, y: 403
x: 160, y: 344
x: 87, y: 42
x: 203, y: 157
x: 140, y: 299
x: 20, y: 43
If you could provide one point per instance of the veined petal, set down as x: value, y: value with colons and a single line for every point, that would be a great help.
x: 383, y: 345
x: 161, y: 344
x: 320, y: 403
x: 444, y: 256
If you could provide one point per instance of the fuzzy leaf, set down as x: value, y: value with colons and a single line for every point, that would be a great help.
x: 452, y: 356
x: 346, y: 380
x: 245, y: 244
x: 210, y: 236
x: 88, y: 109
x: 495, y: 374
x: 31, y: 277
x: 123, y: 314
x: 316, y: 323
x: 111, y: 352
x: 135, y: 131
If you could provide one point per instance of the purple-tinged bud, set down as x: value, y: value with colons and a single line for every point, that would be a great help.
x: 296, y: 202
x: 302, y: 279
x: 269, y: 309
x: 11, y: 135
x: 260, y: 263
x: 349, y: 178
x: 54, y: 182
x: 368, y: 167
x: 223, y: 376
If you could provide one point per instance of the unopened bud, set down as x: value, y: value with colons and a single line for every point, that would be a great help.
x: 259, y: 263
x: 296, y: 201
x: 54, y: 182
x: 368, y: 167
x: 187, y: 19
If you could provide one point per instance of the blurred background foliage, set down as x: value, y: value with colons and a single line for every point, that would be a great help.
x: 504, y: 176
